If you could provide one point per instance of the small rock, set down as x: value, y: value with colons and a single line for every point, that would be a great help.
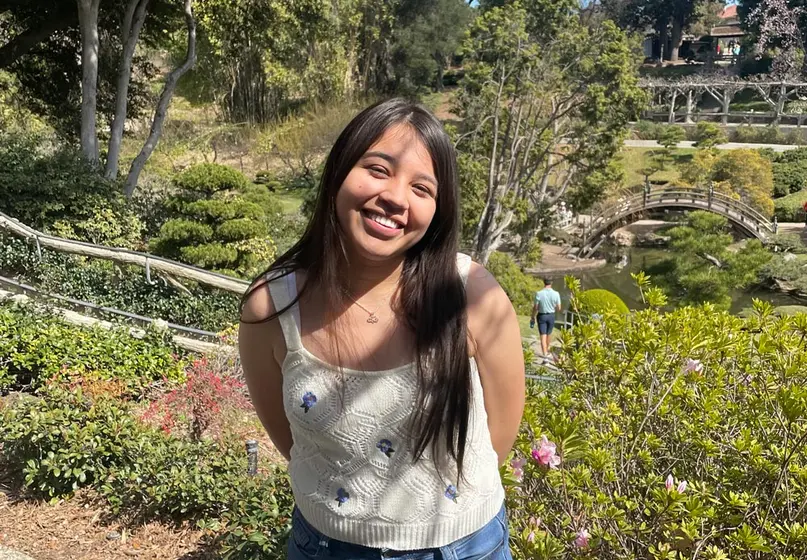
x: 112, y: 536
x: 789, y: 257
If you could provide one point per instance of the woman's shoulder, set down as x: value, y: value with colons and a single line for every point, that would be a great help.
x: 258, y: 303
x: 483, y: 292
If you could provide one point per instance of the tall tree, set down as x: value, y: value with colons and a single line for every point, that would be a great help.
x: 542, y: 107
x: 90, y: 45
x: 778, y: 28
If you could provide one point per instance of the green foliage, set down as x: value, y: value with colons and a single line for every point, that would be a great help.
x: 518, y: 286
x: 89, y: 280
x: 222, y: 222
x: 599, y: 301
x: 766, y: 135
x: 648, y: 130
x: 788, y: 272
x: 521, y: 62
x: 670, y: 136
x: 695, y: 395
x: 38, y: 348
x: 702, y: 269
x: 790, y: 208
x: 207, y: 179
x: 51, y: 188
x: 790, y: 172
x: 708, y: 135
x: 472, y: 179
x: 743, y: 174
x: 789, y: 310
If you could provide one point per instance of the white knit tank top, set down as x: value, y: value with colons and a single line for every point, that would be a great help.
x: 351, y: 466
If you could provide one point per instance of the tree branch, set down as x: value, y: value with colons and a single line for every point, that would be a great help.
x: 162, y: 105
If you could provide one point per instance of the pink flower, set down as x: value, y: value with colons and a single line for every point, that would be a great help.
x: 545, y: 454
x: 518, y: 474
x: 693, y: 366
x: 669, y: 483
x: 531, y: 537
x: 682, y: 486
x: 581, y: 539
x: 518, y: 463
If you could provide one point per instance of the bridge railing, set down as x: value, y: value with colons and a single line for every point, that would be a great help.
x: 656, y: 197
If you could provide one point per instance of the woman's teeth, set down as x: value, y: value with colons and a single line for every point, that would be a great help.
x: 384, y: 221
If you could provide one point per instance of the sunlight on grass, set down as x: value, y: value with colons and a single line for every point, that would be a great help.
x: 290, y: 200
x: 636, y: 159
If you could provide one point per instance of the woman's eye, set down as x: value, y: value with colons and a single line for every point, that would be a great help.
x: 423, y: 189
x: 375, y: 170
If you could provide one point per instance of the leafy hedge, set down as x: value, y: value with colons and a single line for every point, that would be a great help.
x: 673, y: 435
x: 90, y: 280
x: 790, y: 208
x: 66, y: 440
x: 37, y: 348
x: 519, y: 286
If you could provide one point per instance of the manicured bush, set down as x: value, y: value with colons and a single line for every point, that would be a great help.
x: 221, y: 222
x: 518, y: 286
x: 647, y: 130
x: 38, y: 348
x: 600, y: 302
x: 670, y: 434
x: 708, y: 134
x: 790, y: 208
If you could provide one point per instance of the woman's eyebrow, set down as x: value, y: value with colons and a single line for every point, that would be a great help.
x: 393, y: 161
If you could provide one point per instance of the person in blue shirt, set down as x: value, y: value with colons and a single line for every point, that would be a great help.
x: 547, y: 303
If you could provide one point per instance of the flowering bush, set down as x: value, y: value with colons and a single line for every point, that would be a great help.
x: 205, y: 401
x: 678, y: 435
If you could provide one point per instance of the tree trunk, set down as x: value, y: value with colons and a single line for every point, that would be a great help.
x: 676, y: 39
x: 661, y: 31
x: 162, y: 106
x: 133, y: 20
x: 88, y: 22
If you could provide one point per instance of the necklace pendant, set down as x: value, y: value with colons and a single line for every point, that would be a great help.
x: 372, y: 318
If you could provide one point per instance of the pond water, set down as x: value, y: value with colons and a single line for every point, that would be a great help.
x: 610, y: 278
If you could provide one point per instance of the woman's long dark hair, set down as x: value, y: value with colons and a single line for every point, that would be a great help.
x: 431, y: 296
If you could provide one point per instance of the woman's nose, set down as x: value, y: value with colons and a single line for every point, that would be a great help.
x: 394, y: 194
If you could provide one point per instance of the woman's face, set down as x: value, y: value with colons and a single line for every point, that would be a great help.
x: 389, y: 198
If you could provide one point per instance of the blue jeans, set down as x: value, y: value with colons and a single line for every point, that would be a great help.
x: 491, y: 542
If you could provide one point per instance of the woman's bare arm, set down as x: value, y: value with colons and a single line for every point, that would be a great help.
x: 496, y: 339
x: 262, y: 350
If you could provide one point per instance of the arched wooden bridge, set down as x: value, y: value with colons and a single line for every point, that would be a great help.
x: 630, y: 209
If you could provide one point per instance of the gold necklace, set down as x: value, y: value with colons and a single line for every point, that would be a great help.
x: 372, y: 317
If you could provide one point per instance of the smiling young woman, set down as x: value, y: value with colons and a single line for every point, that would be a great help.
x: 386, y: 366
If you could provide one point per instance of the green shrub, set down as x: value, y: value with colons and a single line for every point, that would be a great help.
x: 601, y: 302
x: 54, y: 190
x: 789, y: 310
x: 761, y: 135
x: 712, y: 403
x: 790, y: 172
x: 790, y: 208
x: 38, y: 348
x: 708, y: 134
x: 647, y: 130
x: 207, y: 179
x: 220, y: 222
x: 518, y: 286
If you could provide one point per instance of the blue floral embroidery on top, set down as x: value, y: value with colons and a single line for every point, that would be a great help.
x: 451, y: 493
x: 342, y: 496
x: 385, y: 446
x: 309, y: 400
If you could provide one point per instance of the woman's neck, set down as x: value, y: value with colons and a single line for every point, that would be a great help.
x: 366, y: 277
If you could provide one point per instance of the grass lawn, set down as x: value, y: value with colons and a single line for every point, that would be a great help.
x: 290, y: 200
x: 636, y: 159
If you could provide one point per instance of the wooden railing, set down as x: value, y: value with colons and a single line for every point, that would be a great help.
x: 126, y: 256
x: 738, y: 212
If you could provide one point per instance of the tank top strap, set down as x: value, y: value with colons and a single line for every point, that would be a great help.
x: 463, y: 266
x: 283, y: 290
